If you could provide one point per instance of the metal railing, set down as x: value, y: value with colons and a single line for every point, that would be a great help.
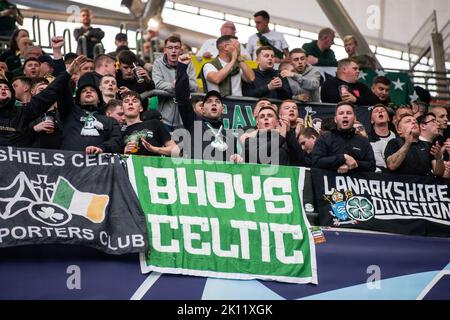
x: 437, y: 83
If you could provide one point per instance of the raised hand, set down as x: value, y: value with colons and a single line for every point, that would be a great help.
x: 93, y: 150
x: 75, y: 66
x: 57, y: 42
x: 184, y: 58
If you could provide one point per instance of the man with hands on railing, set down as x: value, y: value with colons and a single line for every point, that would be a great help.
x: 90, y: 34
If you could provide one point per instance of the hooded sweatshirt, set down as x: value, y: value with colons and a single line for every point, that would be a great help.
x: 14, y: 120
x: 83, y: 126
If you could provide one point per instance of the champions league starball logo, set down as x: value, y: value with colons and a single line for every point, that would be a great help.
x: 349, y: 209
x: 53, y: 204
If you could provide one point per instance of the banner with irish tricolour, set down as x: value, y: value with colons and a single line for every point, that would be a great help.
x: 68, y: 198
x: 237, y: 221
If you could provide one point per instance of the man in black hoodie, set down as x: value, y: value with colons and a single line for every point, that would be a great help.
x: 268, y: 82
x: 341, y: 149
x: 84, y: 129
x: 14, y: 120
x: 209, y: 139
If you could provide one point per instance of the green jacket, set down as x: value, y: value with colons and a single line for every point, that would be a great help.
x: 326, y: 58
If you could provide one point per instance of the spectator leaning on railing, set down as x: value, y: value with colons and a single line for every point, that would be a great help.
x: 92, y: 35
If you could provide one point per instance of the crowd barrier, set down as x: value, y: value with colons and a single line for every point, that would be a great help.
x: 238, y: 111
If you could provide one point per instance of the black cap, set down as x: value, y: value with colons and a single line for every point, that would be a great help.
x: 88, y: 80
x: 212, y: 93
x: 46, y: 58
x: 121, y: 37
x: 151, y: 115
x: 70, y: 56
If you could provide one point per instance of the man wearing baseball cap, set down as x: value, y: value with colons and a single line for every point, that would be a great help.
x: 209, y: 139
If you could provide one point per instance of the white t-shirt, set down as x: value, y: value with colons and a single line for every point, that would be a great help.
x: 211, y: 47
x: 379, y: 147
x: 208, y: 46
x: 236, y: 80
x: 275, y: 38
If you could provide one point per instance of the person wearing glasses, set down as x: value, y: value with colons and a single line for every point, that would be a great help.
x: 360, y: 129
x: 163, y: 74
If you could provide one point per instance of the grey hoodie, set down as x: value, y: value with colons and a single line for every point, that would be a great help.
x: 164, y: 76
x: 308, y: 82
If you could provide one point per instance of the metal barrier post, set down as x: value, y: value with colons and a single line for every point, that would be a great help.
x: 69, y: 41
x: 82, y: 46
x: 98, y: 49
x: 50, y: 24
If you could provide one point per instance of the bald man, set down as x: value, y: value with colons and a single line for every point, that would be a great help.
x: 209, y: 48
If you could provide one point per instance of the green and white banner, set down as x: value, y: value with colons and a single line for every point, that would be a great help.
x: 224, y: 220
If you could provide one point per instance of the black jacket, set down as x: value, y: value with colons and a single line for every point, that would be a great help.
x: 200, y: 127
x: 263, y: 150
x: 71, y: 114
x: 15, y: 120
x: 258, y: 88
x: 364, y: 96
x: 330, y: 148
x: 297, y: 156
x: 92, y: 33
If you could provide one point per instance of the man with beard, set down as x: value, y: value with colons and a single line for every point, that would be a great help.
x: 92, y: 35
x: 409, y: 155
x: 380, y: 134
x: 288, y: 113
x: 341, y: 149
x: 164, y: 74
x: 146, y: 138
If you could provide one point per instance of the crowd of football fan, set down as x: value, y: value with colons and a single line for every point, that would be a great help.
x: 95, y: 105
